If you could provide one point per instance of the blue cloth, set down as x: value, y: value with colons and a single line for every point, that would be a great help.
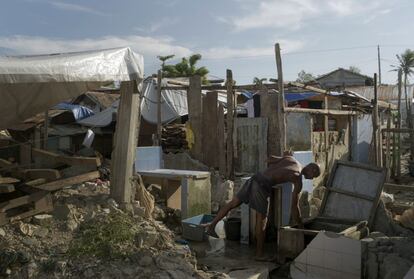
x: 295, y: 97
x: 79, y: 112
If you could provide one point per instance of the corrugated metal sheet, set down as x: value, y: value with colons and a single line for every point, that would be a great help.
x: 385, y: 92
x: 250, y: 139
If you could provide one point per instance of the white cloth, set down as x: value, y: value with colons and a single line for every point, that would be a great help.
x: 89, y: 137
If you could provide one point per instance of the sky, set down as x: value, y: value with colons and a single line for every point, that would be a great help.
x: 317, y: 36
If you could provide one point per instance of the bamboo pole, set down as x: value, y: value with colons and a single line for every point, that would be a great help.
x: 387, y: 152
x: 159, y: 91
x: 281, y: 101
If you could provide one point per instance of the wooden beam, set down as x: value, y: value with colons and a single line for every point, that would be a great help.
x: 281, y: 102
x: 397, y: 130
x: 25, y: 155
x: 125, y: 141
x: 399, y: 124
x: 68, y: 160
x: 195, y: 113
x: 375, y: 139
x: 230, y: 124
x: 321, y: 111
x: 308, y: 87
x: 8, y: 180
x: 209, y: 129
x: 59, y: 184
x: 48, y: 174
x: 388, y: 145
x: 397, y: 187
x: 221, y: 140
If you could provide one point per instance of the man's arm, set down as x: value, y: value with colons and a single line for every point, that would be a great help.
x: 295, y: 213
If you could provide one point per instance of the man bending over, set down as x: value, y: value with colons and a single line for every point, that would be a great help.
x: 257, y: 191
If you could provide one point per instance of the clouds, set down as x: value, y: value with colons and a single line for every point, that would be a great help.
x: 75, y: 8
x: 150, y: 46
x: 293, y: 14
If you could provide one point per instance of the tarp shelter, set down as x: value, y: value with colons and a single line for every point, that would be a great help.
x: 32, y: 84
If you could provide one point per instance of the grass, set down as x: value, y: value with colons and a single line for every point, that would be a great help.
x: 107, y: 238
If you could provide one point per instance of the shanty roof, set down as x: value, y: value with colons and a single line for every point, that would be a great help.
x: 385, y: 92
x: 342, y: 70
x: 31, y: 84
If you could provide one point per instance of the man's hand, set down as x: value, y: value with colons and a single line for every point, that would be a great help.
x: 288, y: 152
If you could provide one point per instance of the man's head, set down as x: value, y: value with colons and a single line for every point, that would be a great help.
x: 311, y: 171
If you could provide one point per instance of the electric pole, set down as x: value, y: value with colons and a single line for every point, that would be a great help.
x: 379, y: 65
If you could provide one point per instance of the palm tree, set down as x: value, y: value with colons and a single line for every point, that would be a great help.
x: 406, y: 65
x: 163, y: 59
x: 186, y: 68
x: 259, y: 81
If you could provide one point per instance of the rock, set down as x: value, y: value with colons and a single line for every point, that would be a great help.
x: 31, y: 270
x: 106, y: 210
x: 138, y: 210
x: 41, y: 232
x: 42, y: 219
x: 112, y: 202
x: 28, y: 241
x: 2, y: 233
x: 145, y: 261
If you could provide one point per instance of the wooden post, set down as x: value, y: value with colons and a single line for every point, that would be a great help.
x: 281, y: 101
x: 209, y: 128
x: 394, y: 149
x: 377, y: 159
x: 221, y: 140
x: 159, y: 99
x: 399, y: 124
x: 46, y: 131
x: 195, y: 113
x: 326, y: 129
x: 387, y: 152
x: 230, y: 124
x: 123, y: 154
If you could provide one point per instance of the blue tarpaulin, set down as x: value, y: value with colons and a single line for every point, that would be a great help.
x: 79, y: 112
x: 295, y: 97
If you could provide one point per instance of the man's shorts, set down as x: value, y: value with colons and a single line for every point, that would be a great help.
x: 256, y: 192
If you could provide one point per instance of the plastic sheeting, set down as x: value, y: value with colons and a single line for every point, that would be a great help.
x: 79, y: 112
x: 101, y: 119
x: 31, y: 84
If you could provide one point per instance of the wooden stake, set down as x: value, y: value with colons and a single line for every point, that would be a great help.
x: 399, y: 123
x: 281, y: 101
x: 126, y: 134
x: 387, y: 152
x: 159, y: 92
x: 230, y: 125
x: 195, y: 113
x: 377, y: 159
x: 221, y: 141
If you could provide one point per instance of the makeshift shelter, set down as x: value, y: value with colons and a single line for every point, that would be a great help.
x: 32, y: 84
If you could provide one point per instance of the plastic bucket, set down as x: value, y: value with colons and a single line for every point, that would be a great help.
x: 232, y: 228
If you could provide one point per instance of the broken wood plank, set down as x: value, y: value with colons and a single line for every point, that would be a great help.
x: 59, y: 184
x: 6, y: 188
x: 68, y: 160
x: 35, y: 182
x: 48, y: 174
x: 8, y: 180
x: 321, y: 111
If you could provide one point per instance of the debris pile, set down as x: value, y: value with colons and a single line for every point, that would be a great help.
x: 88, y: 235
x: 174, y: 138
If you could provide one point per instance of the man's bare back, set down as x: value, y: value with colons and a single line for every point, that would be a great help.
x: 283, y: 169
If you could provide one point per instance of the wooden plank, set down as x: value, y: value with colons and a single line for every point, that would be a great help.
x: 398, y: 151
x: 6, y: 188
x: 221, y: 140
x: 397, y: 130
x: 59, y: 184
x: 68, y: 160
x: 398, y: 187
x: 321, y: 111
x: 268, y: 109
x: 308, y: 87
x: 209, y: 130
x: 195, y: 115
x: 8, y: 180
x: 48, y: 174
x: 4, y: 206
x: 230, y: 125
x: 388, y: 145
x: 125, y: 141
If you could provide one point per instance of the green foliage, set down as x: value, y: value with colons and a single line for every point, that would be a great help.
x: 259, y: 81
x: 305, y: 77
x: 405, y: 62
x: 185, y: 68
x: 106, y: 238
x: 163, y: 59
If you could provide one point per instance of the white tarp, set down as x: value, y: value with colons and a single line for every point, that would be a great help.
x: 103, y: 118
x: 173, y: 102
x: 31, y: 84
